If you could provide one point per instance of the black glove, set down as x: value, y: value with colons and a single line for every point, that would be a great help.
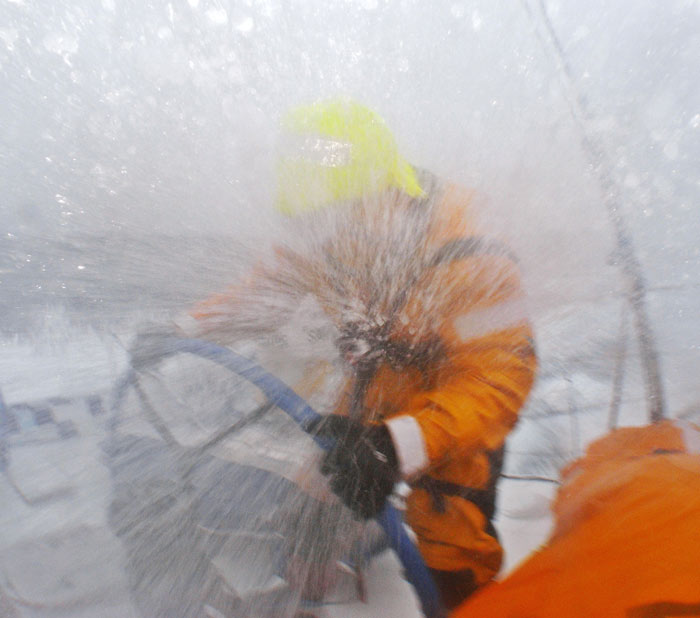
x: 152, y: 344
x: 362, y: 465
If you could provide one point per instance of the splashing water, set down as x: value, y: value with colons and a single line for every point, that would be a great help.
x: 136, y: 173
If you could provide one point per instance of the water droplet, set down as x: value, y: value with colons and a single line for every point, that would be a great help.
x: 218, y: 17
x: 60, y: 43
x: 695, y: 121
x: 81, y: 267
x: 671, y: 150
x: 458, y: 11
x: 477, y: 22
x: 9, y: 37
x: 403, y: 65
x: 244, y: 25
x: 631, y: 181
x: 235, y: 75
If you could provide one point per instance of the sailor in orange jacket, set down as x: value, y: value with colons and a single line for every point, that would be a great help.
x: 626, y: 542
x: 431, y: 320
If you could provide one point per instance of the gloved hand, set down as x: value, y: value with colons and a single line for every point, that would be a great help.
x: 151, y: 346
x: 362, y: 465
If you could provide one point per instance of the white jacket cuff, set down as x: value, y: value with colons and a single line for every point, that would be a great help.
x: 408, y: 441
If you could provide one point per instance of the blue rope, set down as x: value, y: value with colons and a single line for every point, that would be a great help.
x: 287, y: 400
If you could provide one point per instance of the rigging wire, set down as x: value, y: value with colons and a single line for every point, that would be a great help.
x: 618, y: 372
x: 600, y: 160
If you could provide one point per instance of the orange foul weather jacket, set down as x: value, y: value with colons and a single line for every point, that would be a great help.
x: 626, y: 542
x: 442, y: 312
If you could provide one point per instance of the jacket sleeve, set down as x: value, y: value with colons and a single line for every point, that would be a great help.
x: 256, y: 305
x: 482, y: 381
x: 478, y: 308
